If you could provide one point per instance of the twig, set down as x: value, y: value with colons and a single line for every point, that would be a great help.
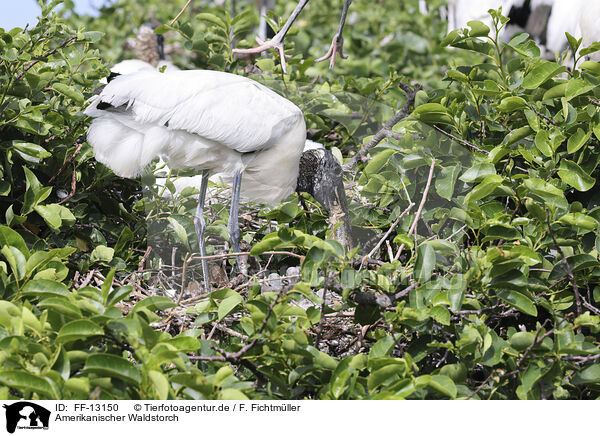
x: 384, y: 132
x: 459, y: 140
x: 180, y: 12
x: 582, y: 359
x: 236, y: 357
x: 73, y: 186
x: 79, y: 143
x: 230, y: 331
x: 594, y: 102
x: 569, y: 270
x: 483, y: 383
x: 546, y: 117
x: 536, y: 341
x: 390, y: 230
x: 45, y: 55
x: 589, y: 306
x: 326, y: 286
x: 141, y: 266
x: 245, y: 253
x: 413, y: 227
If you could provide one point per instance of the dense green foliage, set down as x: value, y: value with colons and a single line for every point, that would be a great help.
x: 479, y: 214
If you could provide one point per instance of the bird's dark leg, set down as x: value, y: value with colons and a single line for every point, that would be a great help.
x: 234, y: 225
x: 200, y: 225
x: 277, y: 41
x: 337, y: 43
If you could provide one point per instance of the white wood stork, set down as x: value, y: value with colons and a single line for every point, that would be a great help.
x: 218, y: 123
x: 588, y: 24
x: 530, y: 15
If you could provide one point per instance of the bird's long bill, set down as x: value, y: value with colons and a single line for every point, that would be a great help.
x: 339, y: 217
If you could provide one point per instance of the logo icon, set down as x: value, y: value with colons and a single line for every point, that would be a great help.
x: 26, y: 415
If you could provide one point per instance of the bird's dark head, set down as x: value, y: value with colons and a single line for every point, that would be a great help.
x: 320, y: 175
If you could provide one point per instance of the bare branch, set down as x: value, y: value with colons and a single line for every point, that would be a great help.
x: 180, y: 12
x: 387, y: 128
x: 459, y: 140
x: 568, y: 267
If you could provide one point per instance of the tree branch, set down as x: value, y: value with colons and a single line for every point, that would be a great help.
x: 387, y: 128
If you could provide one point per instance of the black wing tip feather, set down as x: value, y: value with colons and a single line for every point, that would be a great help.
x: 112, y: 76
x: 103, y: 105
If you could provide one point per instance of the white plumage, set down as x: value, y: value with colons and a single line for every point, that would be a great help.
x: 195, y: 182
x: 460, y: 12
x: 208, y: 120
x: 564, y: 18
x: 589, y: 25
x: 129, y: 66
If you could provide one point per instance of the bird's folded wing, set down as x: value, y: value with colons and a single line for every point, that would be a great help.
x: 232, y: 110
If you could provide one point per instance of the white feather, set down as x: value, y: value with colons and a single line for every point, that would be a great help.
x: 202, y: 119
x: 588, y: 25
x: 564, y: 17
x: 180, y: 183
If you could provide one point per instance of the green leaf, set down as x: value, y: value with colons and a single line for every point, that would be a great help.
x: 9, y: 237
x: 578, y: 140
x: 61, y: 305
x: 589, y: 375
x: 31, y: 149
x: 540, y: 74
x: 228, y: 304
x: 212, y: 19
x: 485, y: 188
x: 180, y: 232
x: 440, y: 314
x: 45, y: 288
x: 78, y: 329
x: 379, y: 161
x: 153, y: 303
x: 118, y: 294
x: 69, y: 91
x: 160, y: 384
x: 432, y: 113
x: 512, y: 104
x: 443, y: 385
x: 24, y: 382
x: 445, y: 182
x: 577, y: 219
x: 591, y: 67
x: 50, y: 214
x: 519, y: 301
x: 478, y: 29
x: 517, y: 135
x: 542, y: 188
x: 542, y: 143
x: 102, y: 253
x: 477, y: 172
x: 113, y: 366
x: 573, y: 175
x: 425, y: 263
x: 391, y: 371
x: 16, y: 260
